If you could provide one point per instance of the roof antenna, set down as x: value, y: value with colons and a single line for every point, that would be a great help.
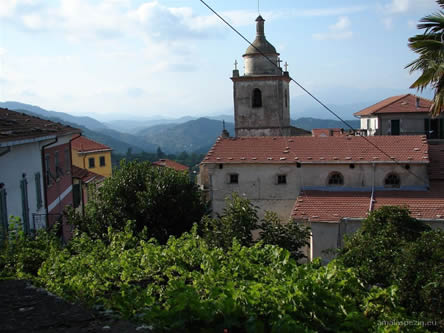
x: 258, y: 10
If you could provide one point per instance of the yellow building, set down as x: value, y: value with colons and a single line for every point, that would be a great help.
x: 91, y: 155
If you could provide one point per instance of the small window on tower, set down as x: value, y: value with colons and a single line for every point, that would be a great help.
x: 257, y: 98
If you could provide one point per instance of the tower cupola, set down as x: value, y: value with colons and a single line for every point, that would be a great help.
x: 255, y: 62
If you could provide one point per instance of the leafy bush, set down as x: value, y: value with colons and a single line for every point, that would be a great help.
x: 22, y: 255
x: 161, y: 199
x: 188, y: 285
x: 374, y: 248
x: 419, y: 274
x: 392, y: 248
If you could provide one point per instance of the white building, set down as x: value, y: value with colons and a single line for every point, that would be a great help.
x: 24, y: 141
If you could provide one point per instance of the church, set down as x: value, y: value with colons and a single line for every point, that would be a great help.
x: 329, y: 183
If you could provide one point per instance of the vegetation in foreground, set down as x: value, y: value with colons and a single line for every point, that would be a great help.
x: 389, y: 277
x: 190, y: 285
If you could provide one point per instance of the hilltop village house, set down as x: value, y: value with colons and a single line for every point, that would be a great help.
x: 401, y: 115
x: 328, y: 182
x: 92, y: 156
x: 35, y: 164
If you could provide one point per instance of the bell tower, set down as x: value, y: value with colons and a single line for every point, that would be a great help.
x: 261, y: 95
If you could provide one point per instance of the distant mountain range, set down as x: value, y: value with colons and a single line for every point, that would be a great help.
x: 171, y: 135
x: 89, y: 122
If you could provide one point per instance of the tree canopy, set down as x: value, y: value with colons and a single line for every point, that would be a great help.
x: 163, y: 200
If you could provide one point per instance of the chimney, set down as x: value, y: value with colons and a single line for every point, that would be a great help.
x: 417, y: 102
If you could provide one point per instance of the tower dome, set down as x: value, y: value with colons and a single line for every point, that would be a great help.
x: 255, y: 62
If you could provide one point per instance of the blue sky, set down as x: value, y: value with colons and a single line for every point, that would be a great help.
x: 130, y: 59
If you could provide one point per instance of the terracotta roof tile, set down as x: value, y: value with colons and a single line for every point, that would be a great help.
x: 16, y: 126
x: 171, y: 164
x: 83, y: 145
x: 323, y: 206
x: 397, y: 104
x: 85, y: 175
x: 327, y: 132
x: 345, y: 149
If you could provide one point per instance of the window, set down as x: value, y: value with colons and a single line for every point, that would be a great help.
x: 392, y: 180
x: 286, y: 98
x: 369, y: 123
x: 38, y: 190
x: 91, y: 162
x: 257, y: 98
x: 234, y: 178
x: 282, y: 179
x: 102, y: 161
x: 395, y: 127
x: 67, y: 161
x: 335, y: 178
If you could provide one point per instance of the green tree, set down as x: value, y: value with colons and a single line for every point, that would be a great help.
x: 289, y: 236
x: 374, y: 248
x: 239, y: 220
x: 430, y: 48
x: 419, y: 274
x: 161, y: 199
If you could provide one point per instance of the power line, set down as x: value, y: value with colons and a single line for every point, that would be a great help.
x: 309, y: 93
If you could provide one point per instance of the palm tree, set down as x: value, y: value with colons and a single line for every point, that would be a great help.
x: 430, y: 47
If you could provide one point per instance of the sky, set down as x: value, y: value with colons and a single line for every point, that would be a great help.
x: 123, y: 59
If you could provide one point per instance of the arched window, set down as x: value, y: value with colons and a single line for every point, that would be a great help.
x: 335, y: 178
x: 286, y: 98
x: 392, y: 180
x: 257, y: 98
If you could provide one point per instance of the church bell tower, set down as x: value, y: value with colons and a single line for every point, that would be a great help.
x: 261, y: 95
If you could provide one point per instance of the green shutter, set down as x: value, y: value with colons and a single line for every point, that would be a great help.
x: 76, y: 195
x: 3, y: 214
x: 38, y: 190
x: 25, y: 207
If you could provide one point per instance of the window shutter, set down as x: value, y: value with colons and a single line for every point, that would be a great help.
x: 3, y: 214
x: 25, y: 208
x: 38, y: 190
x: 76, y: 195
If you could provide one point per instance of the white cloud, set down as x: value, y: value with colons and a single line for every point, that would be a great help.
x: 398, y: 6
x: 7, y: 7
x: 328, y: 11
x: 338, y: 31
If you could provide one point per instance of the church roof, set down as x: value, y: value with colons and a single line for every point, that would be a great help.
x: 398, y: 104
x: 260, y: 43
x: 328, y: 206
x: 309, y: 149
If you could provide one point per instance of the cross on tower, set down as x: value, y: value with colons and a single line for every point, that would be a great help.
x: 279, y: 62
x: 286, y: 67
x: 235, y: 64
